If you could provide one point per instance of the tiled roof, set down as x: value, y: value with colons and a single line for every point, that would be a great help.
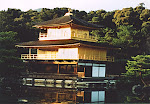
x: 68, y: 42
x: 48, y: 42
x: 67, y: 20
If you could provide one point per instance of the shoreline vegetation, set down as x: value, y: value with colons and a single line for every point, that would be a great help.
x: 128, y: 29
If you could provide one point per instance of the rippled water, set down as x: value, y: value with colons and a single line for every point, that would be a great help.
x: 56, y: 94
x: 59, y: 95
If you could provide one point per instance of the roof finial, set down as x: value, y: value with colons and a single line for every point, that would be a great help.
x: 69, y: 12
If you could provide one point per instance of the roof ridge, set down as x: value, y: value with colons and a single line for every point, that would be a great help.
x: 66, y: 20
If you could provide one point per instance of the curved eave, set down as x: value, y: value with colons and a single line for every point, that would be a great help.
x: 67, y: 46
x: 100, y: 47
x: 68, y: 25
x: 50, y: 46
x: 84, y: 27
x: 59, y: 26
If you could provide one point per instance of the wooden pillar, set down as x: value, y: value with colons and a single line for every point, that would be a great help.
x: 76, y: 68
x: 58, y: 69
x: 75, y: 97
x: 82, y: 94
x: 33, y: 81
x: 84, y: 71
x: 56, y: 97
x: 29, y: 51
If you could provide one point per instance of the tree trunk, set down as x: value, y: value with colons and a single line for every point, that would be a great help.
x: 140, y: 73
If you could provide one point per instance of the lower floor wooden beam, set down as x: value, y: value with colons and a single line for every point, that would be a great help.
x: 58, y: 69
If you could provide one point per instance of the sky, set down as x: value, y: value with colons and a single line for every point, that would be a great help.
x: 85, y: 5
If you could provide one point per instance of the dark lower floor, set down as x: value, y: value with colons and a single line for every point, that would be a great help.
x: 79, y: 69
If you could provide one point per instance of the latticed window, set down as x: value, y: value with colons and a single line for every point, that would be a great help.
x: 85, y: 35
x: 73, y: 33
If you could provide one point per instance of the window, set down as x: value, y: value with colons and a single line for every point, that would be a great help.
x: 98, y: 96
x: 66, y: 69
x: 73, y: 33
x: 85, y: 35
x: 43, y: 30
x: 81, y: 68
x: 65, y: 34
x: 98, y: 71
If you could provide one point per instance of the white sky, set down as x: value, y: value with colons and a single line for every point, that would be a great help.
x: 86, y: 5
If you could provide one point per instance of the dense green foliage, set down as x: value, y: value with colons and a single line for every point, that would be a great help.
x: 139, y: 69
x: 128, y: 29
x: 9, y: 60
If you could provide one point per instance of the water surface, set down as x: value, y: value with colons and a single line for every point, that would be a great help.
x: 57, y: 94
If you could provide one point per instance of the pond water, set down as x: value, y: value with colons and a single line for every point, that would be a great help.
x: 56, y: 94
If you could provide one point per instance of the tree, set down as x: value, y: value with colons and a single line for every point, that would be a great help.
x: 107, y: 19
x: 7, y: 19
x: 127, y: 16
x: 104, y: 35
x: 127, y: 40
x: 144, y: 16
x: 81, y: 15
x: 141, y: 4
x: 139, y: 68
x: 9, y: 59
x: 90, y: 15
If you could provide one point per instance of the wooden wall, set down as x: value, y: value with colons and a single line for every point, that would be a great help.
x: 79, y: 33
x: 55, y: 33
x: 82, y: 52
x: 62, y: 53
x: 67, y: 33
x: 90, y: 53
x: 47, y: 51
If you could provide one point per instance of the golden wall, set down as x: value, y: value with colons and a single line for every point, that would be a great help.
x: 82, y: 35
x: 92, y: 53
x: 79, y: 33
x: 55, y: 33
x: 87, y: 53
x: 67, y: 33
x: 62, y: 53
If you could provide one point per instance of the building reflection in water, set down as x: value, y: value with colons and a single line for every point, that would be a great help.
x: 60, y: 95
